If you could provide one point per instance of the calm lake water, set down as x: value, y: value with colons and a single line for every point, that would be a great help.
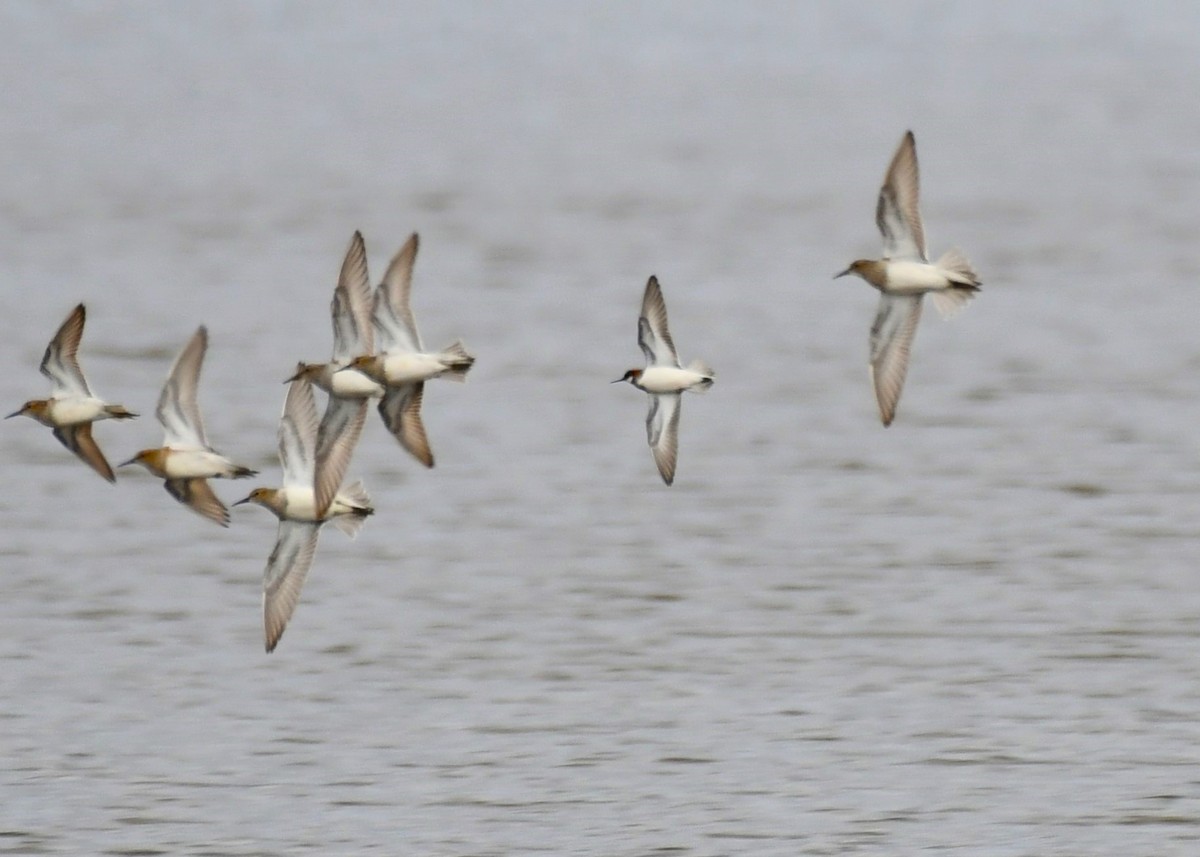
x: 976, y: 632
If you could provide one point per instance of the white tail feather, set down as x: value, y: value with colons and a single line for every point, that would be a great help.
x: 349, y: 524
x: 458, y: 361
x: 356, y: 495
x: 956, y: 267
x: 702, y: 368
x: 353, y: 495
x: 950, y: 302
x: 963, y: 283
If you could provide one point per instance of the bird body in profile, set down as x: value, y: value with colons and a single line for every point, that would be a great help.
x: 664, y: 379
x: 185, y: 461
x: 300, y: 516
x: 72, y: 408
x: 904, y: 276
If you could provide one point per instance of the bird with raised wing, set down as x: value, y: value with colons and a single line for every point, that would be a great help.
x: 904, y: 276
x: 72, y: 408
x: 664, y: 379
x: 349, y: 391
x: 185, y: 460
x: 300, y: 516
x: 401, y: 363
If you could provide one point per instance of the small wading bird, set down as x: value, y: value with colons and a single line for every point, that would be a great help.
x: 904, y: 275
x: 664, y: 379
x: 401, y: 364
x: 185, y: 460
x: 300, y: 518
x: 71, y: 408
x: 350, y: 390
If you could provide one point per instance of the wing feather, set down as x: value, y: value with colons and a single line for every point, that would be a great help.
x: 287, y: 569
x: 298, y: 435
x: 891, y: 340
x: 351, y: 306
x: 198, y: 496
x: 653, y: 334
x: 393, y: 313
x: 60, y: 363
x: 178, y: 410
x: 898, y: 212
x: 400, y: 408
x: 662, y: 431
x: 337, y: 437
x: 78, y: 439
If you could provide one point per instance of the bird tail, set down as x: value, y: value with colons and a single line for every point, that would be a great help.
x: 354, y: 495
x: 956, y: 267
x: 964, y: 283
x: 702, y: 368
x: 457, y: 360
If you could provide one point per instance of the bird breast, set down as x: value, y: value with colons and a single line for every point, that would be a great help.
x: 73, y: 411
x: 668, y: 379
x: 913, y: 278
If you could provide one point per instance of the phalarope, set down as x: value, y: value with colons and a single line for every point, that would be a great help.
x: 300, y: 515
x: 904, y: 275
x: 71, y: 408
x: 185, y: 460
x: 664, y: 379
x: 401, y: 364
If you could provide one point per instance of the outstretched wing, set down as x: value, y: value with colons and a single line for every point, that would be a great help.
x: 400, y: 408
x: 891, y: 339
x: 662, y: 431
x: 198, y: 496
x: 287, y: 569
x: 653, y: 334
x: 177, y: 408
x: 337, y: 437
x: 60, y: 364
x: 78, y: 439
x: 351, y: 306
x: 298, y: 435
x: 898, y: 212
x: 393, y: 314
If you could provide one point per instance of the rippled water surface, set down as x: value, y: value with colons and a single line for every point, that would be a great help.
x: 973, y: 632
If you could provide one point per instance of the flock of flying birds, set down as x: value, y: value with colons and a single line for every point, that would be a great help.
x: 378, y: 354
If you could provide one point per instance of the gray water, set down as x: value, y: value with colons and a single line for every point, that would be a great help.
x: 976, y: 632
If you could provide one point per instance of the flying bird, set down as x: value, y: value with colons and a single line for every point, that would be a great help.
x: 664, y: 379
x: 904, y: 276
x: 71, y: 408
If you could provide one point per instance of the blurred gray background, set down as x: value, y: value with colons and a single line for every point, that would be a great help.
x: 975, y: 631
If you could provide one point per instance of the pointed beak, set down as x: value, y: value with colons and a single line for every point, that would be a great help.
x: 243, y: 500
x: 618, y: 381
x: 844, y: 273
x: 133, y: 460
x: 300, y: 370
x: 15, y: 414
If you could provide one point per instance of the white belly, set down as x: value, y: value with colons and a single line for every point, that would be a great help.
x: 408, y: 367
x: 299, y: 504
x: 352, y: 384
x: 196, y: 464
x: 73, y: 411
x: 914, y: 277
x: 668, y: 379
